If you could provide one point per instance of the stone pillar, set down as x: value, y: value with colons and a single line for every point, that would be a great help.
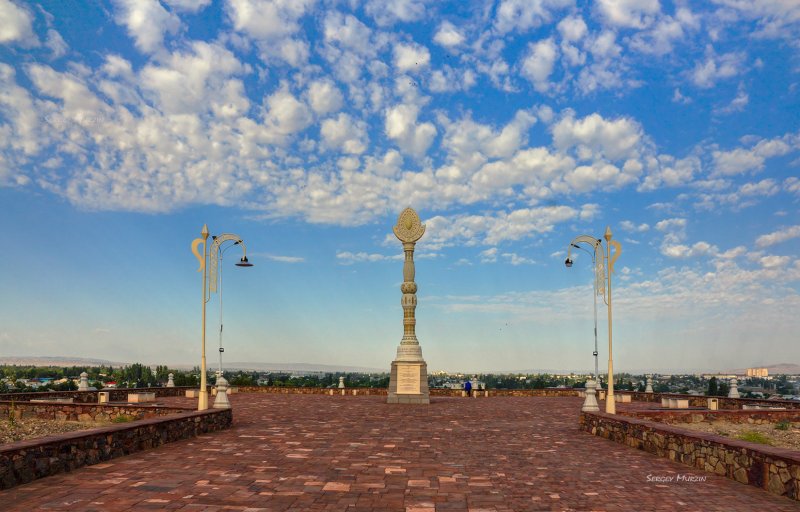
x: 408, y: 382
x: 170, y: 382
x: 341, y: 383
x: 734, y: 390
x: 649, y: 388
x: 590, y: 402
x: 221, y: 401
x: 83, y: 384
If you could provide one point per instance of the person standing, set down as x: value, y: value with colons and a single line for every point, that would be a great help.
x: 468, y: 387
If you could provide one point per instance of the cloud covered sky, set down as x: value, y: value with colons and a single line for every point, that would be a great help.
x: 307, y: 126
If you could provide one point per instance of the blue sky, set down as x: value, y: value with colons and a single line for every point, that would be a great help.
x: 306, y: 127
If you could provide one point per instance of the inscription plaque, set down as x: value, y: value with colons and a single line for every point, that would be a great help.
x: 408, y: 379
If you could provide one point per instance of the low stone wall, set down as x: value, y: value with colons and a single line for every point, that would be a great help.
x: 25, y: 461
x: 753, y: 417
x: 83, y: 411
x: 774, y: 469
x: 116, y: 394
x: 384, y: 391
x: 702, y: 401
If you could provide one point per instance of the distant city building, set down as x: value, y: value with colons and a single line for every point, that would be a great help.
x: 757, y: 372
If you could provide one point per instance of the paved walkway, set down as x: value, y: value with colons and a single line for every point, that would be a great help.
x: 321, y: 453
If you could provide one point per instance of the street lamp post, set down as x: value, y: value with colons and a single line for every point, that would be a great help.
x: 594, y: 296
x: 208, y: 266
x: 602, y: 285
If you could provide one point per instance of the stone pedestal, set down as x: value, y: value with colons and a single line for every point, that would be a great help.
x: 649, y: 388
x: 83, y: 384
x: 170, y: 382
x: 222, y: 401
x: 341, y: 383
x: 408, y: 381
x: 590, y: 403
x: 734, y: 389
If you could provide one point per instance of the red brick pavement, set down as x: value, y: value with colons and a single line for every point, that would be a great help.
x: 323, y: 453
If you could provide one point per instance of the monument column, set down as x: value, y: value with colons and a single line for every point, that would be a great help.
x: 408, y: 383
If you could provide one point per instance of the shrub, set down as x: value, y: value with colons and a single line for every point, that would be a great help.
x: 755, y: 437
x: 782, y: 425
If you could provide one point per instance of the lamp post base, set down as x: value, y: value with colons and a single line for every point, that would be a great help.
x: 611, y: 406
x: 202, y: 402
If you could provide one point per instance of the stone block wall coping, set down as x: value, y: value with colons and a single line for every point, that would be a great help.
x: 111, y: 429
x: 773, y: 451
x: 705, y: 415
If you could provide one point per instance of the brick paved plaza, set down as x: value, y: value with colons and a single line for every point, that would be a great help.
x: 316, y: 452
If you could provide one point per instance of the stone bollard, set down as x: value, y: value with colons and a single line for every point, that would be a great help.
x: 734, y: 391
x: 590, y: 403
x: 341, y: 383
x: 170, y: 382
x: 83, y: 384
x: 649, y: 388
x: 222, y: 394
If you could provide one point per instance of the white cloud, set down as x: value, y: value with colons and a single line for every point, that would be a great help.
x: 523, y: 15
x: 741, y: 160
x: 388, y: 12
x: 779, y: 236
x: 684, y: 251
x: 629, y: 13
x: 147, y: 21
x: 496, y: 228
x: 17, y: 25
x: 515, y: 259
x: 281, y: 259
x: 489, y: 255
x: 56, y: 44
x: 411, y: 57
x: 717, y: 67
x: 267, y: 19
x: 288, y: 114
x: 448, y: 35
x: 672, y: 224
x: 537, y: 65
x: 774, y: 262
x: 349, y: 258
x: 633, y: 227
x: 659, y: 39
x: 192, y: 6
x: 324, y: 97
x: 737, y: 104
x: 572, y: 28
x: 345, y: 134
x: 596, y: 137
x: 402, y: 127
x: 196, y: 81
x: 776, y: 18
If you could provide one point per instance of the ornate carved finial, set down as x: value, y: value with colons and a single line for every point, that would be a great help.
x: 409, y: 229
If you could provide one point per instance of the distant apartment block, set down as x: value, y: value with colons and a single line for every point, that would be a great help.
x: 757, y: 372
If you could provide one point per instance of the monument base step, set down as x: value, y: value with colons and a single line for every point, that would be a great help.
x: 408, y: 399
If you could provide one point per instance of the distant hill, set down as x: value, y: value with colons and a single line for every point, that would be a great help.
x: 58, y: 361
x: 302, y: 367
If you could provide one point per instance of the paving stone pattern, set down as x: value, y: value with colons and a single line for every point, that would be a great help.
x: 346, y: 453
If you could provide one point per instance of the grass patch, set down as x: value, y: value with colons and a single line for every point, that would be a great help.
x: 755, y: 437
x: 122, y: 419
x: 783, y: 425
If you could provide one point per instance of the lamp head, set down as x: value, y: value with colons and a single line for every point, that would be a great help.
x: 568, y: 263
x: 244, y: 262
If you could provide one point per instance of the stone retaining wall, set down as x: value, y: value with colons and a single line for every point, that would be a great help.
x: 702, y: 401
x: 775, y: 469
x: 25, y: 461
x: 84, y: 411
x: 116, y: 394
x: 384, y: 391
x: 753, y: 417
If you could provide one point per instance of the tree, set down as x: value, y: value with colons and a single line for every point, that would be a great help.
x: 713, y: 389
